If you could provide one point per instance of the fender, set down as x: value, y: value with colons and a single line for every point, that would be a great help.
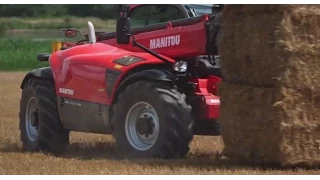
x: 43, y: 73
x: 149, y: 74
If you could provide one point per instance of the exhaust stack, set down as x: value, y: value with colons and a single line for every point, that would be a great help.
x: 92, y: 33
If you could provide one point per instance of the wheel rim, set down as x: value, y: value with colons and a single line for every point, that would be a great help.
x: 142, y: 126
x: 32, y: 119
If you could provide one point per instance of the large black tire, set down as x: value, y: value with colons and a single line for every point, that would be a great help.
x: 175, y: 122
x: 51, y: 137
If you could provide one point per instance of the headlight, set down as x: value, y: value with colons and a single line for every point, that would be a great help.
x: 180, y: 66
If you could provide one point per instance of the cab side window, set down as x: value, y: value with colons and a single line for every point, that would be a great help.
x: 145, y: 15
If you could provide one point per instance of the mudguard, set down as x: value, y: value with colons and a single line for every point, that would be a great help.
x: 149, y: 74
x: 44, y: 73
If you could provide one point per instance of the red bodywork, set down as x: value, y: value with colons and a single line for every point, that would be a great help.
x: 84, y: 66
x: 192, y: 40
x: 207, y: 88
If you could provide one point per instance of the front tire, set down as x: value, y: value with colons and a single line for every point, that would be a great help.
x: 152, y: 120
x: 40, y: 126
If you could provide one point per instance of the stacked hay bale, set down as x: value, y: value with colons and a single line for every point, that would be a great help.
x: 270, y: 97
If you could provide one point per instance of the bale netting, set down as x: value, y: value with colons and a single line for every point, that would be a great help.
x: 271, y: 49
x: 270, y: 126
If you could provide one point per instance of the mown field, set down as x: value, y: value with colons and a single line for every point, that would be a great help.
x: 90, y: 153
x: 95, y: 154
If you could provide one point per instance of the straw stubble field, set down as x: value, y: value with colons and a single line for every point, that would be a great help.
x: 95, y: 154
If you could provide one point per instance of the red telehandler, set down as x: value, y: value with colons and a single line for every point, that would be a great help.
x: 150, y: 87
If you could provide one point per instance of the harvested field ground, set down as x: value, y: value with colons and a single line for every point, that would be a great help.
x: 94, y: 154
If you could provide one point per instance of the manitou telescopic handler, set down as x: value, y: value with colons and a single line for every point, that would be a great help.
x: 151, y: 87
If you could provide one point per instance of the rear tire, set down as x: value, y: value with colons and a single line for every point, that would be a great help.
x: 40, y: 126
x: 167, y: 109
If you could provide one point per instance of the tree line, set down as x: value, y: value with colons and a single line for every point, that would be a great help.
x: 104, y: 11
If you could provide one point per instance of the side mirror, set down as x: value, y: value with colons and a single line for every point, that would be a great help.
x: 70, y: 33
x: 123, y: 30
